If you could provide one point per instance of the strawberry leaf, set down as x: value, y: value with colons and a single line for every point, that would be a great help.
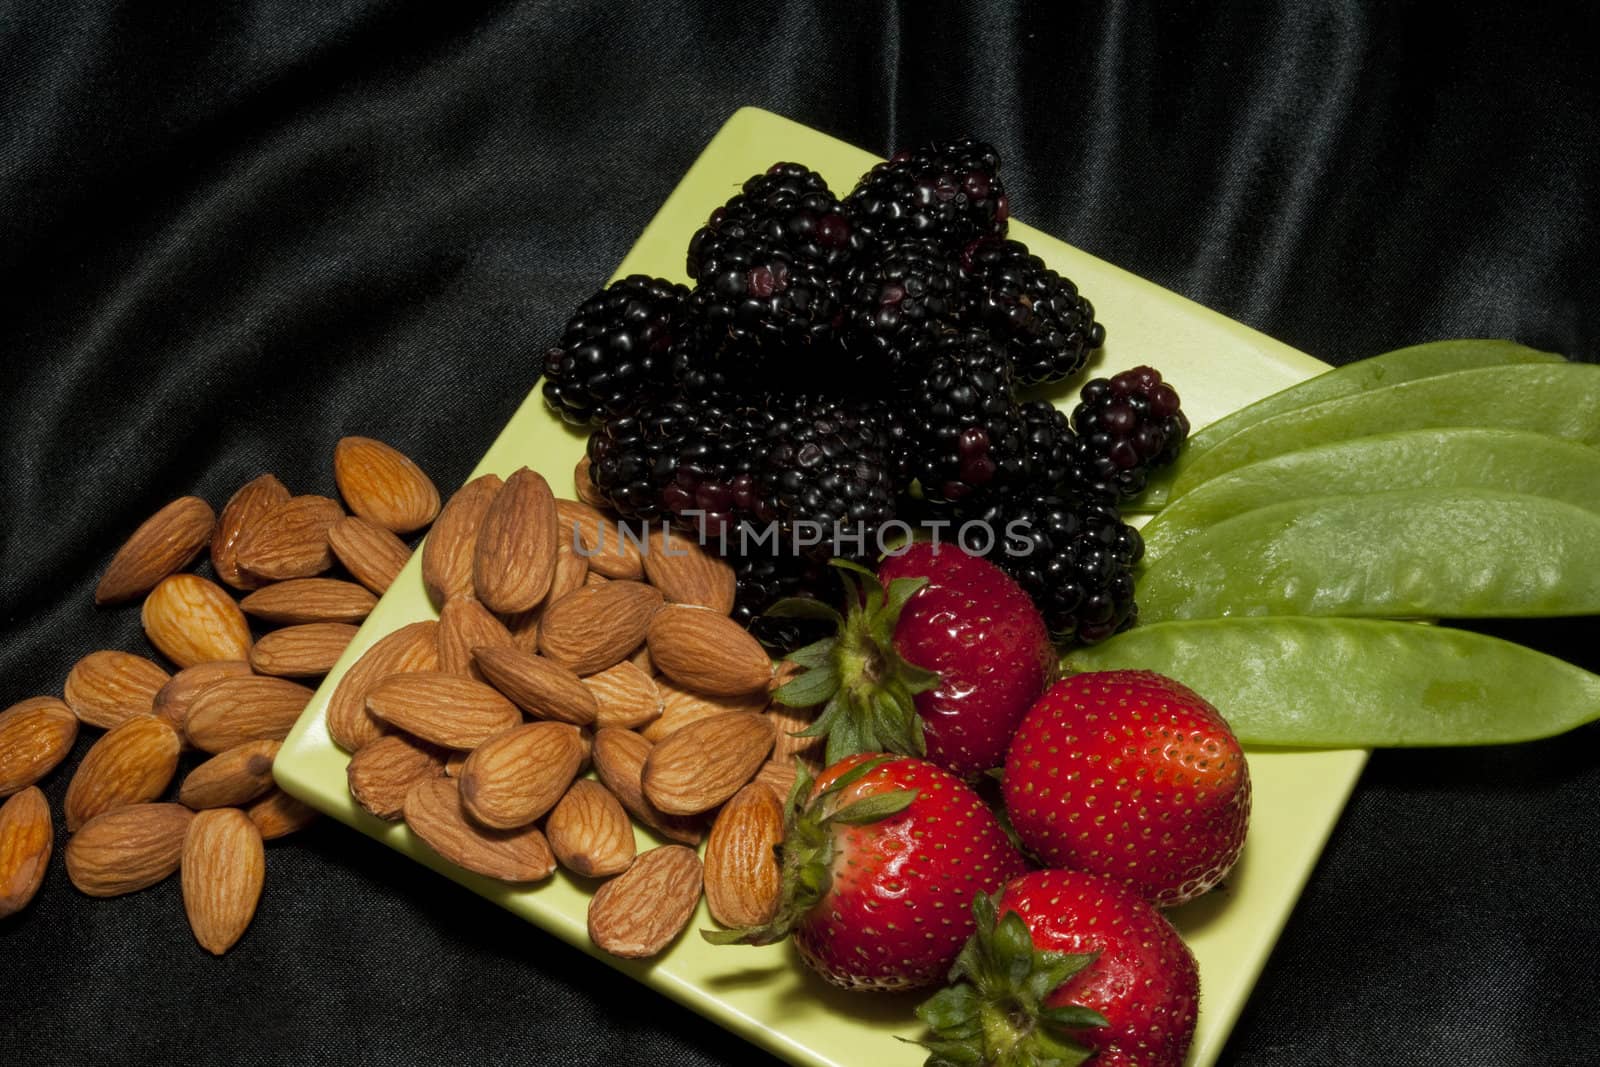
x: 803, y: 607
x: 874, y: 808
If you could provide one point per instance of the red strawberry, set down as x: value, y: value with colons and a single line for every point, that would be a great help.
x: 940, y: 655
x: 1131, y: 775
x: 1066, y: 966
x: 881, y: 856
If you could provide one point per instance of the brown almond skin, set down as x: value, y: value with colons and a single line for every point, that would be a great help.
x: 382, y: 485
x: 434, y: 812
x: 707, y: 652
x: 308, y: 650
x: 524, y: 628
x: 107, y: 687
x: 373, y: 555
x: 454, y: 763
x: 131, y: 764
x: 705, y: 763
x: 164, y: 544
x: 744, y: 881
x: 680, y: 707
x: 619, y: 759
x: 307, y: 600
x: 232, y: 711
x: 786, y: 722
x: 127, y: 849
x: 590, y: 832
x: 777, y: 776
x: 583, y: 486
x: 465, y: 624
x: 595, y: 578
x: 571, y: 574
x: 382, y: 772
x: 608, y: 553
x: 232, y: 778
x: 542, y: 688
x: 642, y: 910
x: 598, y: 626
x: 514, y: 560
x: 624, y: 696
x: 27, y: 838
x: 413, y: 647
x: 191, y: 620
x: 291, y: 539
x: 278, y: 815
x: 253, y: 500
x: 36, y: 734
x: 174, y: 699
x: 514, y: 778
x: 448, y: 710
x: 224, y: 867
x: 448, y: 552
x: 686, y: 573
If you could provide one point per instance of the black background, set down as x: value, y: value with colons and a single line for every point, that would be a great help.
x: 232, y: 233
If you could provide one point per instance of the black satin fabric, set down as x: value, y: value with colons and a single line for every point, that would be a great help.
x: 232, y: 233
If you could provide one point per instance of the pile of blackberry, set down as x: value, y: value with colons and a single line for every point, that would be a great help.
x: 853, y: 366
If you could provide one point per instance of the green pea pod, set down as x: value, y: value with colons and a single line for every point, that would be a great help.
x: 1429, y: 553
x: 1560, y: 399
x: 1450, y: 458
x: 1390, y: 368
x: 1358, y: 683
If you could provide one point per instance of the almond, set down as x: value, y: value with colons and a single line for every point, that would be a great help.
x: 383, y: 486
x: 786, y: 722
x: 128, y: 849
x: 537, y: 685
x: 224, y: 867
x: 35, y: 736
x: 639, y: 912
x: 595, y: 578
x: 680, y: 707
x: 515, y: 557
x: 514, y: 778
x: 305, y: 600
x: 744, y: 882
x: 707, y: 652
x: 278, y: 814
x: 253, y: 500
x: 26, y: 841
x: 290, y: 540
x: 777, y: 776
x: 624, y: 696
x: 413, y: 647
x: 454, y: 763
x: 705, y: 763
x: 465, y: 624
x: 611, y: 550
x: 373, y: 555
x: 589, y: 831
x: 597, y: 626
x: 572, y: 573
x: 132, y: 763
x: 434, y: 813
x: 641, y: 659
x: 686, y: 573
x: 448, y: 710
x: 383, y: 771
x: 165, y: 543
x: 584, y: 487
x: 191, y: 620
x: 308, y: 650
x: 231, y: 778
x: 230, y: 712
x: 174, y: 699
x: 524, y: 628
x: 619, y: 759
x: 449, y: 549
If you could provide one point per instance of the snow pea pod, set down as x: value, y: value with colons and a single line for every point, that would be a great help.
x: 1358, y: 683
x: 1389, y: 368
x: 1445, y: 553
x: 1560, y: 399
x: 1449, y: 458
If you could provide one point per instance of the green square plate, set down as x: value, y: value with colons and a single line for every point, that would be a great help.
x: 764, y: 994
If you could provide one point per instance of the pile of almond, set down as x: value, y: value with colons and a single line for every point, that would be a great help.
x: 564, y: 644
x: 223, y: 700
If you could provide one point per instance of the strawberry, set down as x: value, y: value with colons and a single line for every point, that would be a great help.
x: 881, y: 855
x: 1131, y: 775
x: 1065, y: 966
x: 940, y: 656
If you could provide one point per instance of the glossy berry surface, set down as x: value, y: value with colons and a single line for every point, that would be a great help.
x: 1128, y: 426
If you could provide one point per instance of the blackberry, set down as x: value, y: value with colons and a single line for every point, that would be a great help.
x: 826, y: 464
x: 1127, y: 426
x: 1049, y: 329
x: 949, y: 192
x: 907, y: 294
x: 761, y: 581
x: 789, y: 206
x: 1072, y: 554
x: 615, y: 351
x: 1050, y: 447
x: 969, y: 431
